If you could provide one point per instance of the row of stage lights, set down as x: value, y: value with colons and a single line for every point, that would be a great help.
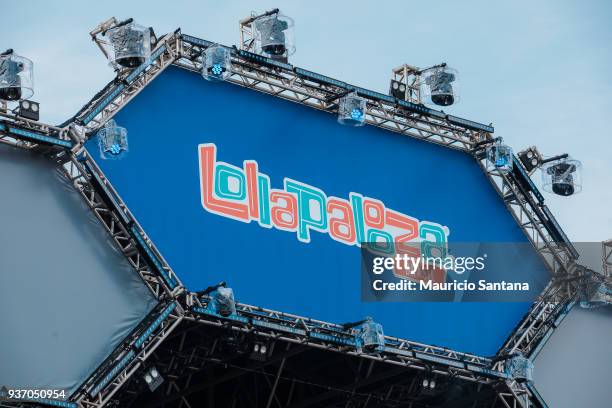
x: 128, y: 45
x: 561, y: 175
x: 368, y: 336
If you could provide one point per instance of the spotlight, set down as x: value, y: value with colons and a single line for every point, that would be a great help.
x: 274, y: 33
x: 15, y: 77
x: 429, y: 383
x: 221, y: 299
x: 130, y: 44
x: 499, y: 157
x: 153, y: 378
x: 112, y: 141
x: 519, y: 367
x: 259, y: 351
x: 397, y: 89
x: 216, y: 63
x: 369, y: 335
x: 530, y: 158
x: 441, y: 85
x: 357, y: 114
x: 29, y: 110
x: 351, y: 110
x: 562, y: 176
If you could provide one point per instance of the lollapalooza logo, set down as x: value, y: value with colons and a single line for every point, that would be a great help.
x: 245, y: 194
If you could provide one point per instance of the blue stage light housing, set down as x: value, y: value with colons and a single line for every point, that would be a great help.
x: 520, y: 368
x: 216, y: 63
x: 357, y: 114
x: 370, y: 336
x: 351, y: 110
x: 112, y: 140
x: 16, y: 77
x: 222, y: 301
x: 499, y: 158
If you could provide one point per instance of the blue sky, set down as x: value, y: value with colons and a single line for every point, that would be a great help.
x: 540, y: 71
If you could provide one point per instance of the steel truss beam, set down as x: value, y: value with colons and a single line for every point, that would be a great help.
x: 296, y: 85
x: 286, y: 83
x: 126, y: 86
x: 552, y: 306
x: 187, y: 370
x: 329, y: 336
x: 28, y: 134
x: 99, y: 389
x: 125, y: 230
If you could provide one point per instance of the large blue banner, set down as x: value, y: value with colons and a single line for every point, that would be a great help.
x: 275, y: 198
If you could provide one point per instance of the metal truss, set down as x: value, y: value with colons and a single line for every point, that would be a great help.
x: 100, y: 388
x: 297, y: 85
x: 544, y: 316
x: 125, y: 230
x: 117, y: 369
x: 329, y: 336
x: 28, y: 134
x: 409, y: 76
x: 525, y: 204
x: 125, y: 87
x: 538, y: 224
x: 533, y: 218
x: 320, y: 92
x: 204, y: 363
x: 247, y: 33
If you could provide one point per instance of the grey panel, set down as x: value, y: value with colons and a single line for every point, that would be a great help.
x: 67, y: 295
x: 573, y: 369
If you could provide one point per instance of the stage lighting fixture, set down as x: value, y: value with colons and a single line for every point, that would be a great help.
x: 562, y: 176
x: 351, y: 110
x: 130, y: 44
x: 112, y: 140
x: 369, y: 335
x: 520, y: 368
x: 153, y: 378
x: 16, y: 78
x: 260, y: 351
x: 397, y: 89
x: 499, y: 157
x: 530, y: 158
x: 29, y: 110
x: 274, y: 34
x: 216, y: 63
x: 595, y: 294
x: 372, y: 336
x: 152, y: 37
x: 441, y: 85
x: 221, y: 300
